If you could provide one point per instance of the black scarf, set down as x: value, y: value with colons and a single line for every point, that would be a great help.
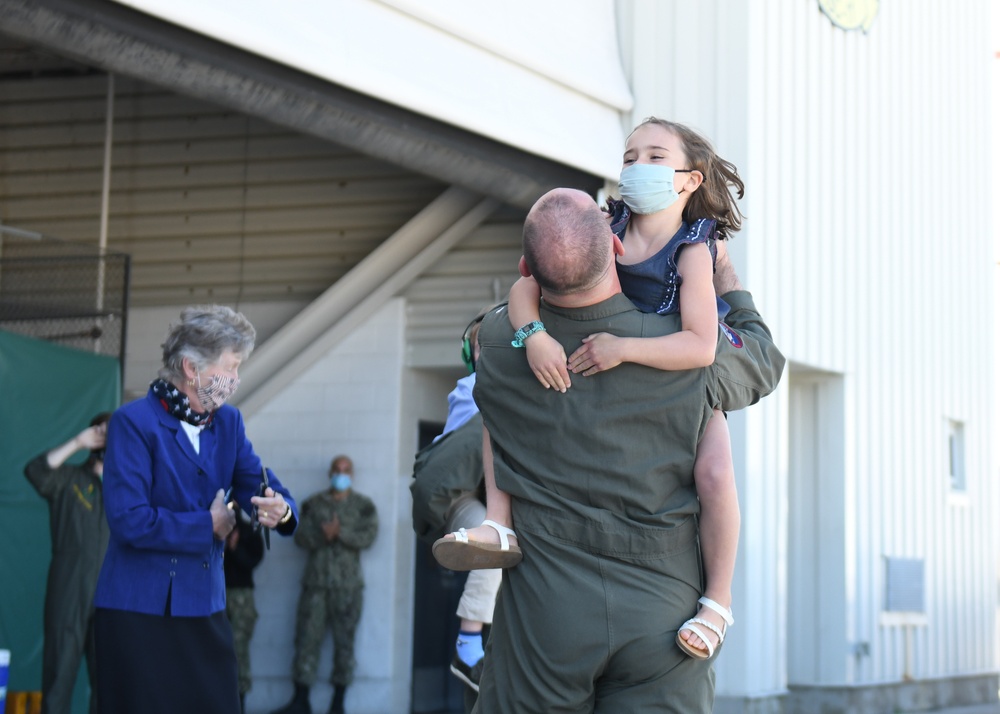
x: 175, y: 402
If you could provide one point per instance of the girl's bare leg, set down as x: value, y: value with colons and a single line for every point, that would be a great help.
x: 498, y: 508
x: 719, y: 523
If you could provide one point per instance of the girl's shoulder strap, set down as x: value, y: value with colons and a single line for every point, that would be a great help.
x: 619, y: 216
x: 702, y: 230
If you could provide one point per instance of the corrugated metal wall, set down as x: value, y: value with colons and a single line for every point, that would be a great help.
x: 867, y: 247
x: 217, y: 206
x: 212, y: 205
x: 869, y: 198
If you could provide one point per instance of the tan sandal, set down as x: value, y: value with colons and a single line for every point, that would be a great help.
x: 459, y: 553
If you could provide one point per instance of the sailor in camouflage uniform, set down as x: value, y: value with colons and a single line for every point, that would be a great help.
x: 334, y: 526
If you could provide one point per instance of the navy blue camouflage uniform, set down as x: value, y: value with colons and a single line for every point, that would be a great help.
x: 333, y: 584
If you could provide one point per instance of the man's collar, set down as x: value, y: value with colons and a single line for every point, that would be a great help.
x: 614, y: 305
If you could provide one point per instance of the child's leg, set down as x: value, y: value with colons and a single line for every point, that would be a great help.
x: 498, y: 510
x: 475, y: 608
x: 498, y: 507
x: 719, y: 523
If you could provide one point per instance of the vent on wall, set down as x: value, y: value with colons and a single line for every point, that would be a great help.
x: 904, y: 585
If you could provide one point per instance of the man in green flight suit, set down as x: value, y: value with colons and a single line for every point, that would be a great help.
x: 601, y: 483
x: 79, y: 539
x: 335, y: 525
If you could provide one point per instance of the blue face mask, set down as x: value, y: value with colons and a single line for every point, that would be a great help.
x: 648, y: 188
x: 340, y: 482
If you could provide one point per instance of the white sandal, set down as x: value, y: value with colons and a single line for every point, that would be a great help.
x: 459, y: 553
x: 692, y: 625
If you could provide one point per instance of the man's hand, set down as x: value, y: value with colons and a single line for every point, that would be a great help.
x: 331, y: 528
x: 93, y: 437
x: 223, y: 518
x: 725, y: 279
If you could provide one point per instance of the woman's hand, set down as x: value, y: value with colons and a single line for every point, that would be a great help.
x: 223, y: 518
x: 271, y: 508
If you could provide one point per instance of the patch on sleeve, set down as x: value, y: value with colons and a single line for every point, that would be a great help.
x: 734, y: 339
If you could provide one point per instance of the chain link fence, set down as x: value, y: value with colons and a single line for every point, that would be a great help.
x: 65, y: 293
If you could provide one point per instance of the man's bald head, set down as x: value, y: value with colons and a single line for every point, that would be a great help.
x: 567, y: 243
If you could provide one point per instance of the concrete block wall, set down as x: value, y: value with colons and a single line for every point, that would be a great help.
x: 348, y: 402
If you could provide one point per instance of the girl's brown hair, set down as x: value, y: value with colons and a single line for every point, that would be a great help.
x: 714, y: 199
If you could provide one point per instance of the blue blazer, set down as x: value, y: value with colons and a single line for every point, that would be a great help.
x: 157, y: 492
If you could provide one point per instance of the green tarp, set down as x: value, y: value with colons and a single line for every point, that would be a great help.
x: 48, y: 394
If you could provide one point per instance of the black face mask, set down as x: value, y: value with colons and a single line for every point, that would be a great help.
x: 98, y: 455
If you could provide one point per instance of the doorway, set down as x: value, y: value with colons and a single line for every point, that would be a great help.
x: 817, y: 531
x: 436, y: 592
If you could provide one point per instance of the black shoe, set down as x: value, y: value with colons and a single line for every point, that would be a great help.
x: 299, y: 703
x: 337, y: 703
x: 469, y: 675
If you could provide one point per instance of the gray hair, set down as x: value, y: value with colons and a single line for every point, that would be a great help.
x: 202, y: 335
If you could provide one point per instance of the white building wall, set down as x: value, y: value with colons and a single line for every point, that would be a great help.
x: 866, y: 153
x: 866, y: 246
x: 516, y: 71
x: 995, y: 154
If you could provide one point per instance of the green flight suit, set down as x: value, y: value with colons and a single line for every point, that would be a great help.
x: 444, y: 471
x: 79, y: 533
x: 605, y: 505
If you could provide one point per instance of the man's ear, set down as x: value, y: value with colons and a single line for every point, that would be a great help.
x: 522, y: 266
x: 616, y: 245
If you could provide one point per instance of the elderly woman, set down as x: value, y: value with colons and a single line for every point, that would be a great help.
x: 163, y: 641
